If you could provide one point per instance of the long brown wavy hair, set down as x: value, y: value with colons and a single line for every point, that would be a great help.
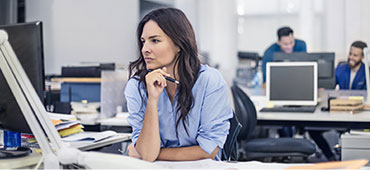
x: 174, y: 23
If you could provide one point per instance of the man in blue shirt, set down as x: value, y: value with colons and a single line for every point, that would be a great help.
x: 352, y: 74
x: 286, y: 43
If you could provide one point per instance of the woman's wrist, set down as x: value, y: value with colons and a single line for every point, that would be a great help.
x: 153, y: 100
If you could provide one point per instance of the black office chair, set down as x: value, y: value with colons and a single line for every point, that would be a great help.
x: 264, y: 149
x: 230, y: 150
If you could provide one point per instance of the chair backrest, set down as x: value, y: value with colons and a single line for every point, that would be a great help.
x: 245, y: 112
x: 230, y: 150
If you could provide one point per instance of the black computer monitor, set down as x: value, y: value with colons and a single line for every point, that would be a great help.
x: 325, y: 63
x: 27, y: 42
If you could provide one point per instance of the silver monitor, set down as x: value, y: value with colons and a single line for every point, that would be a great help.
x: 291, y: 83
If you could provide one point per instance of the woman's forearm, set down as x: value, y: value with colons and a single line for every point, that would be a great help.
x: 189, y: 153
x: 149, y: 143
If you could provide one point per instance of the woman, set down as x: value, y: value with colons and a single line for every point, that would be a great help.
x: 185, y: 121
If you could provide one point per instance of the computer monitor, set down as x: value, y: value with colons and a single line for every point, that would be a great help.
x: 291, y: 83
x: 325, y: 61
x: 27, y: 42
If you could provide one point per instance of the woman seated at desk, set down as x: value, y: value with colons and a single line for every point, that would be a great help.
x: 174, y: 120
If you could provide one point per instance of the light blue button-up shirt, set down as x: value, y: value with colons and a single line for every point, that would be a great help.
x: 207, y: 122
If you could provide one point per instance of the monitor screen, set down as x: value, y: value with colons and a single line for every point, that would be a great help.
x: 325, y: 63
x: 27, y: 43
x: 292, y: 83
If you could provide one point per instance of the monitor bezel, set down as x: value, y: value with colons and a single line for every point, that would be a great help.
x: 291, y: 102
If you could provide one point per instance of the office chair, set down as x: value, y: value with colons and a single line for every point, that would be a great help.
x: 264, y: 148
x: 230, y: 150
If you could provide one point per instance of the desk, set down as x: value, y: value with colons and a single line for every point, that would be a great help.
x: 318, y: 118
x: 211, y: 164
x: 22, y: 162
x: 34, y: 158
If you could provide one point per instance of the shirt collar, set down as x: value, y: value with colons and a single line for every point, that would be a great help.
x: 203, y: 67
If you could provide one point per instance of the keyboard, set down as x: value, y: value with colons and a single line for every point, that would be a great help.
x: 305, y: 109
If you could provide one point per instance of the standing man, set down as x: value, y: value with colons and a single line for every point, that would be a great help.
x: 286, y: 43
x: 352, y: 74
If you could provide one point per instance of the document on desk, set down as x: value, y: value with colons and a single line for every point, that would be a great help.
x: 58, y: 116
x: 67, y: 124
x: 89, y: 136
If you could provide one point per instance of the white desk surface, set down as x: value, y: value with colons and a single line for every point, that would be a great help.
x: 34, y: 158
x: 22, y: 162
x: 260, y: 101
x: 211, y: 164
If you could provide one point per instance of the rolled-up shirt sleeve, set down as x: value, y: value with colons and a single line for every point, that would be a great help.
x: 215, y: 115
x: 135, y: 109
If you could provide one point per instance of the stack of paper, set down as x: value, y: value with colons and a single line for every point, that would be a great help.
x: 65, y: 124
x: 68, y: 127
x: 346, y: 105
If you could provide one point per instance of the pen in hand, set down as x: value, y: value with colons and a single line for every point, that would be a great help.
x: 169, y: 78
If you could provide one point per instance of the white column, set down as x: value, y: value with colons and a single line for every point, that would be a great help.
x: 190, y: 8
x: 334, y: 28
x: 365, y: 24
x: 217, y: 24
x: 306, y: 19
x: 353, y: 21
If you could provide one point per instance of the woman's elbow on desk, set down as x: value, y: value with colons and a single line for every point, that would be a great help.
x: 191, y: 153
x: 132, y: 152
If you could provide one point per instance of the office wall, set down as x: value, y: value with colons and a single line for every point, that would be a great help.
x: 86, y: 30
x: 326, y: 25
x: 215, y: 24
x: 345, y: 22
x: 218, y: 34
x: 260, y: 19
x: 104, y: 30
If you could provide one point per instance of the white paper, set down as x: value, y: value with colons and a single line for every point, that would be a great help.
x: 67, y: 124
x: 89, y: 136
x: 57, y: 116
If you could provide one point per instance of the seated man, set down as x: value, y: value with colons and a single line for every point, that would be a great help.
x: 286, y: 43
x: 348, y: 76
x: 352, y: 74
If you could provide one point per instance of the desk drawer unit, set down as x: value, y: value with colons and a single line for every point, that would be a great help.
x: 355, y: 146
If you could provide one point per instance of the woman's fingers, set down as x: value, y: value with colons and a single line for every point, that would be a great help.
x: 132, y: 151
x: 158, y: 76
x: 163, y: 71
